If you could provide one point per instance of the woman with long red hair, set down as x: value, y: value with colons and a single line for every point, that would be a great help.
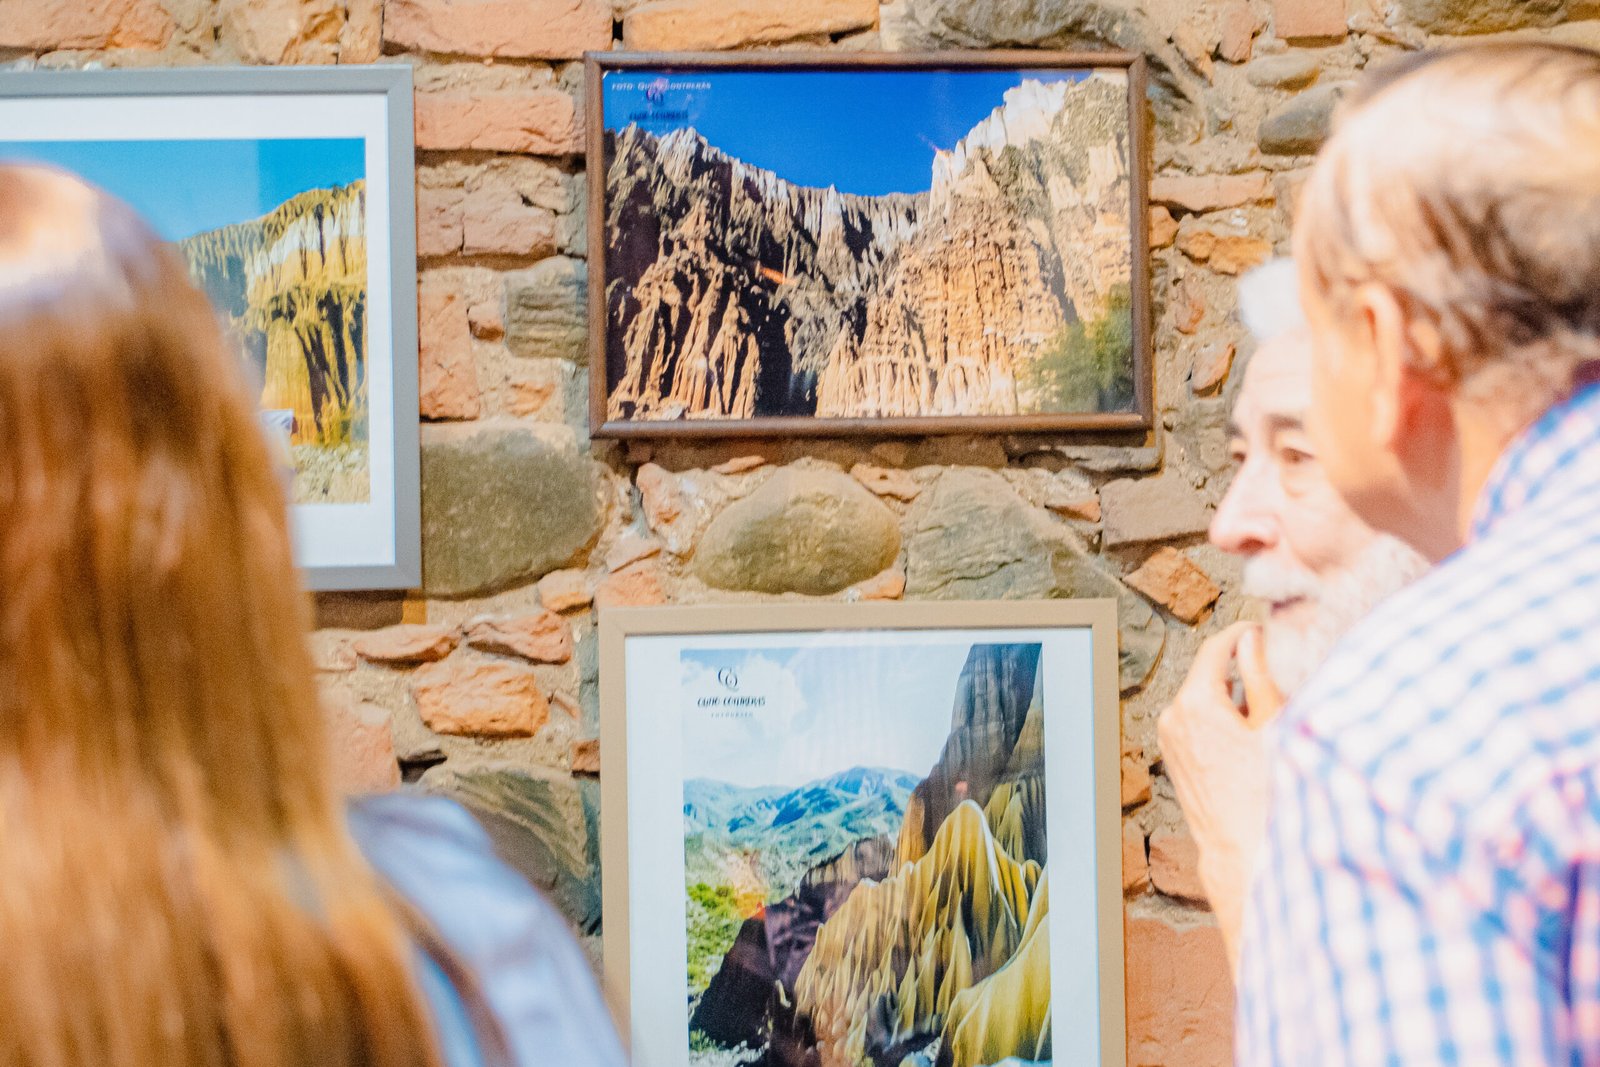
x: 179, y: 881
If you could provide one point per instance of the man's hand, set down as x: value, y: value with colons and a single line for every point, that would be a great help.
x: 1216, y: 760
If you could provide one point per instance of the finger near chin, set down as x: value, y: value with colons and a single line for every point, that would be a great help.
x: 1263, y: 697
x: 1211, y: 672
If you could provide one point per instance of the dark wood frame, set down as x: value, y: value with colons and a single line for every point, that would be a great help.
x: 597, y: 64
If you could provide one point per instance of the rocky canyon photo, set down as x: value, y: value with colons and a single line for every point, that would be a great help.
x: 870, y: 265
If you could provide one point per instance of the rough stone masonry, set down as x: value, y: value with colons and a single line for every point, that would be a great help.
x: 484, y: 684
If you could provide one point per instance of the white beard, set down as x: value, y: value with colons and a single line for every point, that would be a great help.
x: 1338, y: 602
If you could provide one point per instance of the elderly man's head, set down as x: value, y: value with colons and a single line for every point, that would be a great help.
x: 1314, y: 563
x: 1449, y: 245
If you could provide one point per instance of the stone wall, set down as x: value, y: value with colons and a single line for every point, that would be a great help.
x: 484, y: 685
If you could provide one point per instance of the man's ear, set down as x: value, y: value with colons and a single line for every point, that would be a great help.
x: 1412, y: 418
x: 1378, y: 314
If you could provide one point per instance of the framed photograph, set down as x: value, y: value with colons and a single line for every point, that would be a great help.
x: 867, y: 244
x: 852, y: 835
x: 289, y: 194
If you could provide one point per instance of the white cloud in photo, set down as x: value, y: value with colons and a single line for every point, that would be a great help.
x: 822, y: 710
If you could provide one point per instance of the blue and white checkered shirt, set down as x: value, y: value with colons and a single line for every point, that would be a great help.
x: 1429, y: 892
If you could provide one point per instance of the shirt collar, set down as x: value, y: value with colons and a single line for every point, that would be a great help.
x: 1538, y: 456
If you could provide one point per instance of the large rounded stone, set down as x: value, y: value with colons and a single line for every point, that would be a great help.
x: 802, y: 531
x: 1481, y: 16
x: 973, y: 538
x: 502, y: 506
x: 1291, y: 70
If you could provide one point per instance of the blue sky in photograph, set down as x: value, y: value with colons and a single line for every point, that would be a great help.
x: 187, y: 187
x: 867, y: 132
x: 824, y: 709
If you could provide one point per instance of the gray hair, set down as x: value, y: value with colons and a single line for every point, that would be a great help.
x: 1269, y: 300
x: 1467, y: 183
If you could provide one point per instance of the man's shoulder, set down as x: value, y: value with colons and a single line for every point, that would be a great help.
x: 1481, y: 675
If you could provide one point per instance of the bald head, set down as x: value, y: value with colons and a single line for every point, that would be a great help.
x: 47, y: 223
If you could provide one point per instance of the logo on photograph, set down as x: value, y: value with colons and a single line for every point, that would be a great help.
x: 725, y: 701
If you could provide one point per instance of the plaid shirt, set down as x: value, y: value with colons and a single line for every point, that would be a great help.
x: 1429, y: 892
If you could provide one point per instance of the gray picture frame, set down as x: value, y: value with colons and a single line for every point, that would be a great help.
x: 393, y: 83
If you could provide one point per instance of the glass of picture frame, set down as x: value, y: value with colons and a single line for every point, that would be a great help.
x: 867, y: 243
x: 870, y: 833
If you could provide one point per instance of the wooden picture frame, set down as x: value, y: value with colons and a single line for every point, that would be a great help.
x: 691, y: 694
x: 726, y: 330
x: 244, y: 167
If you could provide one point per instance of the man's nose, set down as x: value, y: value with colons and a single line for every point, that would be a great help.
x: 1246, y: 521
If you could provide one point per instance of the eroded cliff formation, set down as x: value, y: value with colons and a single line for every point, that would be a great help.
x: 972, y: 294
x: 1025, y: 232
x: 1007, y: 1015
x: 733, y: 293
x: 756, y: 981
x: 727, y: 283
x: 947, y: 960
x: 889, y: 967
x: 996, y: 734
x: 292, y: 286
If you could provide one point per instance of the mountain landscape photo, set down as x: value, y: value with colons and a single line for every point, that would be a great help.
x: 869, y: 917
x: 274, y: 231
x: 995, y: 281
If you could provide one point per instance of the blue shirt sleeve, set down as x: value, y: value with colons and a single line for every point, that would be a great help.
x: 538, y: 982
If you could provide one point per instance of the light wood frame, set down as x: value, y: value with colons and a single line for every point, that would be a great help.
x: 597, y: 64
x: 617, y: 626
